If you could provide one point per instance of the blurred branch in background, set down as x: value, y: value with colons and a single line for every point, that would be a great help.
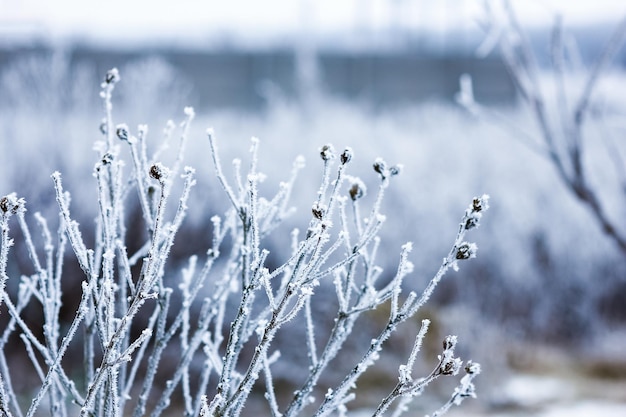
x: 561, y: 124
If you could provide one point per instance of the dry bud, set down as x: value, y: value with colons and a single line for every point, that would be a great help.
x: 449, y: 342
x: 385, y: 172
x: 107, y: 158
x: 449, y: 364
x: 472, y: 220
x: 472, y: 368
x: 122, y: 132
x: 112, y: 76
x: 480, y: 203
x: 11, y: 204
x: 5, y: 204
x: 380, y: 167
x: 473, y: 214
x: 346, y: 155
x: 451, y: 367
x: 466, y: 250
x: 159, y: 172
x: 318, y: 211
x: 327, y: 152
x: 395, y: 170
x: 357, y: 189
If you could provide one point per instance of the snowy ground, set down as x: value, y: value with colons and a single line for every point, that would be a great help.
x: 548, y: 396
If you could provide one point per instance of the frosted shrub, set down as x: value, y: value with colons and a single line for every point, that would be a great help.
x: 128, y: 320
x: 562, y: 131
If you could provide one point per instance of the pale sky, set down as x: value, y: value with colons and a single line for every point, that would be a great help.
x: 129, y: 20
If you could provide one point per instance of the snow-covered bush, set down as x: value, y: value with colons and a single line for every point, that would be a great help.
x: 569, y: 120
x: 206, y: 331
x: 563, y: 101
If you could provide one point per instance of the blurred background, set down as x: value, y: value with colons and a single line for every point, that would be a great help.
x: 543, y: 307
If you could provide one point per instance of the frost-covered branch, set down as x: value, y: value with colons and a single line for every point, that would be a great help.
x: 230, y: 302
x: 561, y: 124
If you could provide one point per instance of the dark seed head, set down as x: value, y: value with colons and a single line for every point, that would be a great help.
x: 4, y: 204
x: 449, y: 342
x: 327, y: 152
x: 107, y: 158
x: 159, y: 172
x: 466, y: 250
x: 318, y: 211
x: 122, y: 132
x: 346, y: 155
x: 112, y: 76
x: 381, y: 167
x: 357, y: 190
x: 11, y: 204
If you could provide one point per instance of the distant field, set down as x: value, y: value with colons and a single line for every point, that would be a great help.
x: 243, y: 79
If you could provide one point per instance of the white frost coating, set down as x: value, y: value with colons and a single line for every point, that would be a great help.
x: 224, y: 318
x: 299, y: 162
x: 189, y: 112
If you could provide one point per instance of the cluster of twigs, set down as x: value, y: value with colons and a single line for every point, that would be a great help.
x: 120, y: 364
x: 560, y: 131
